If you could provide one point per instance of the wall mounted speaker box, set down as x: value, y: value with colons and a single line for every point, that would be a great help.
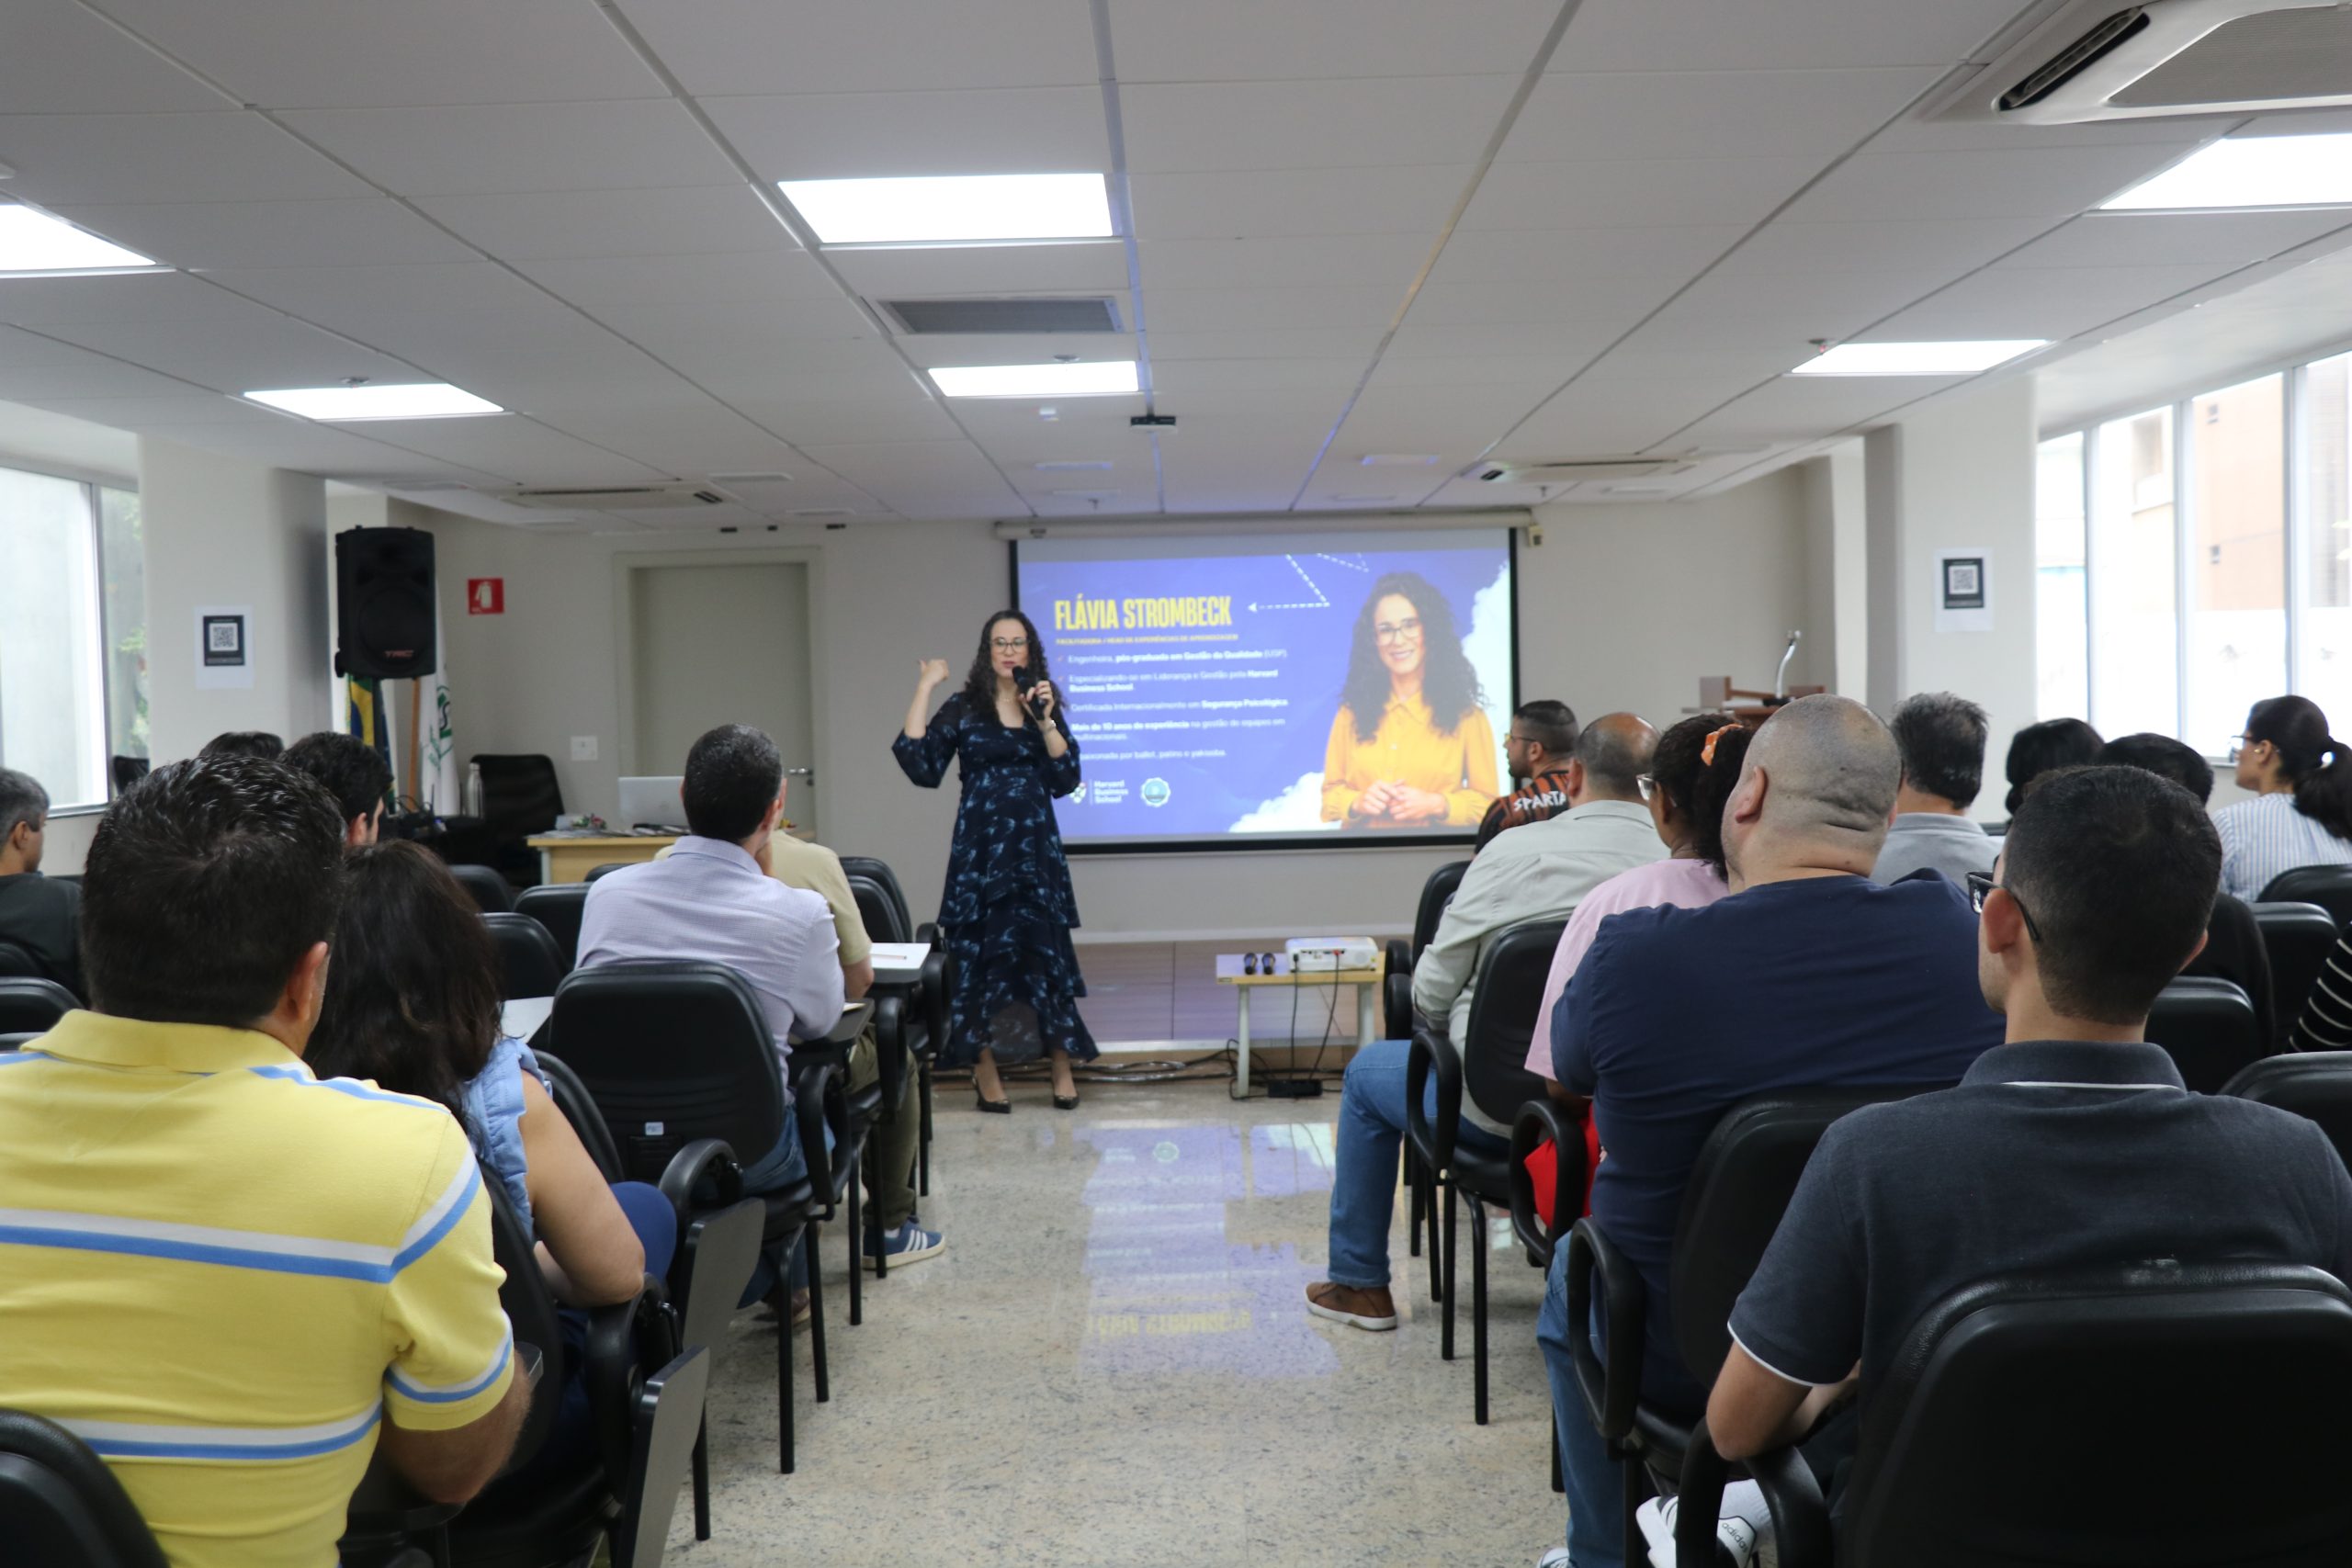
x: 384, y: 615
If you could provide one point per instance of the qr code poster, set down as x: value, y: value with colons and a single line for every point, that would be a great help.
x: 224, y: 652
x: 1963, y: 590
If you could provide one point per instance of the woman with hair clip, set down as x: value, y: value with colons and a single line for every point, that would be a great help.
x: 2301, y: 813
x: 1008, y: 909
x: 1410, y: 746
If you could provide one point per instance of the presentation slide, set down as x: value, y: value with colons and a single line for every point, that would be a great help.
x: 1268, y: 688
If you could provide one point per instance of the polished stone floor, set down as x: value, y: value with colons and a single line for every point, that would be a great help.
x: 1112, y: 1365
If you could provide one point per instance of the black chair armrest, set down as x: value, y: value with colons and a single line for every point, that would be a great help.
x: 1800, y: 1516
x: 1612, y: 1389
x: 1433, y: 1055
x: 889, y: 1046
x: 704, y: 1160
x: 938, y: 981
x: 625, y: 1340
x: 1397, y: 1006
x: 1540, y: 1121
x: 812, y: 1086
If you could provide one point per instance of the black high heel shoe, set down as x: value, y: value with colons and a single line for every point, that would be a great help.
x: 1064, y: 1102
x: 993, y: 1107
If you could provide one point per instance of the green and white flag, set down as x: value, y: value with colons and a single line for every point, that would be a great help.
x: 438, y: 762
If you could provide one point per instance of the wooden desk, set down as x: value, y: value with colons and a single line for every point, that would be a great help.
x: 570, y: 857
x: 1229, y: 973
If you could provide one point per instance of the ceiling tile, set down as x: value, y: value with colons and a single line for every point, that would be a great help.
x: 719, y: 47
x: 1796, y: 305
x: 1428, y: 418
x: 497, y: 147
x: 687, y: 221
x: 942, y: 271
x: 1704, y: 35
x: 1709, y: 114
x: 236, y: 351
x: 301, y: 54
x: 203, y: 234
x: 1413, y: 201
x: 1602, y: 416
x: 690, y: 442
x: 925, y: 478
x: 2047, y: 182
x: 1177, y: 127
x: 1634, y: 192
x: 134, y: 413
x: 1561, y: 255
x: 1938, y: 247
x: 989, y: 348
x: 60, y: 58
x: 284, y: 442
x: 691, y: 323
x: 141, y: 295
x: 537, y: 387
x: 1339, y: 259
x: 1182, y: 378
x: 518, y: 449
x: 1320, y: 342
x: 1183, y: 311
x: 327, y: 293
x: 1008, y: 130
x: 1565, y: 343
x: 747, y: 277
x: 806, y: 420
x: 87, y: 376
x: 2147, y: 238
x: 70, y: 159
x: 2047, y: 302
x: 1247, y: 40
x: 1806, y: 408
x: 1617, y: 300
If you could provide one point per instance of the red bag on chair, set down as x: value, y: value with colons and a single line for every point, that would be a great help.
x: 1542, y: 1165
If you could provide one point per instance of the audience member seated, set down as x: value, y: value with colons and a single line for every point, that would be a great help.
x: 412, y: 1004
x: 2301, y: 813
x: 711, y: 902
x: 1941, y: 738
x: 799, y: 862
x: 2234, y: 948
x: 2071, y: 1146
x: 1536, y: 872
x: 1542, y: 739
x: 258, y: 743
x: 354, y: 773
x: 234, y: 1280
x: 2039, y: 748
x: 1810, y: 976
x: 38, y: 913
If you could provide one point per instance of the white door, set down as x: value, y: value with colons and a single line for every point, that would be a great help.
x: 723, y: 643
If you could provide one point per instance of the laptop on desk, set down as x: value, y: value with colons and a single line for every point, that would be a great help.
x: 653, y: 802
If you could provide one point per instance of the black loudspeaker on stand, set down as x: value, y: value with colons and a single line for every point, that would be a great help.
x: 384, y: 597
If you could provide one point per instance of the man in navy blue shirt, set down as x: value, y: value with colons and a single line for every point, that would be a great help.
x: 1809, y: 975
x: 2072, y: 1146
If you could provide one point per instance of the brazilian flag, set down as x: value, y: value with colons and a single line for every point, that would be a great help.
x: 364, y: 710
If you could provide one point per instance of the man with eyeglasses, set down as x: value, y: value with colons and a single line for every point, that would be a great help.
x: 1542, y: 743
x: 39, y: 915
x: 2073, y: 1145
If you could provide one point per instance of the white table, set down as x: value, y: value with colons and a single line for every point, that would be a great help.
x: 521, y: 1017
x: 1229, y: 973
x: 899, y: 963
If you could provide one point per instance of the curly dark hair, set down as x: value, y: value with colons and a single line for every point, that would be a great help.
x: 1449, y: 684
x: 979, y: 686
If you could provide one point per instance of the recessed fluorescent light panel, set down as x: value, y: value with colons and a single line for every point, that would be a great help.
x: 34, y: 242
x: 1082, y: 379
x: 1964, y: 358
x: 423, y: 400
x: 2250, y: 170
x: 953, y: 210
x: 1397, y: 460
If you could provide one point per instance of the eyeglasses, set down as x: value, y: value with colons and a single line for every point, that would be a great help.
x: 1407, y: 630
x: 2240, y: 747
x: 1647, y: 783
x: 1009, y: 644
x: 1980, y: 887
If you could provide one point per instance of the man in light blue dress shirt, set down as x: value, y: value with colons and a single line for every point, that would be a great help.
x: 1942, y: 738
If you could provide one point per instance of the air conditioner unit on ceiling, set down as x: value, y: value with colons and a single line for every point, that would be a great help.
x: 1573, y: 471
x: 616, y: 498
x: 2100, y: 60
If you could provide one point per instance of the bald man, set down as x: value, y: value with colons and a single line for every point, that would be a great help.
x: 1808, y: 975
x: 1538, y: 871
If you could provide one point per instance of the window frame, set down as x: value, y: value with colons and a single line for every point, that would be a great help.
x: 92, y: 482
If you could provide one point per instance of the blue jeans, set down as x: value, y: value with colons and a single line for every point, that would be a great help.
x: 1592, y: 1478
x: 783, y: 1166
x: 1363, y: 1177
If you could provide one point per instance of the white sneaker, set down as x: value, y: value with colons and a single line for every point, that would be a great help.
x: 1556, y: 1558
x: 1745, y: 1528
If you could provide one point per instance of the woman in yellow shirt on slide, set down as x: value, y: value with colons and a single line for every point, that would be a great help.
x: 1410, y: 746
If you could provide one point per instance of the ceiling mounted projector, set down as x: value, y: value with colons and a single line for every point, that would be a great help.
x: 2100, y: 60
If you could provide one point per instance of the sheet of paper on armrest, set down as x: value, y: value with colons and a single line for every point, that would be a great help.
x: 901, y: 954
x: 521, y: 1017
x: 1745, y: 1528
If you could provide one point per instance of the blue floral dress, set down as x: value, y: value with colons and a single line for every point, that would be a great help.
x: 1008, y: 909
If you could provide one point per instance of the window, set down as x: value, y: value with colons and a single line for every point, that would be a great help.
x: 2217, y: 569
x: 72, y: 624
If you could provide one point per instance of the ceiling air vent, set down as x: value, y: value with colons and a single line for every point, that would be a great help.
x: 1573, y: 471
x: 618, y: 497
x: 933, y: 317
x: 2097, y: 61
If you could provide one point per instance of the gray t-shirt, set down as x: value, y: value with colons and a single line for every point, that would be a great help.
x: 2049, y: 1156
x: 1929, y: 840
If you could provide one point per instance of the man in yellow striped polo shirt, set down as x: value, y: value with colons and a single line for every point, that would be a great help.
x: 232, y: 1280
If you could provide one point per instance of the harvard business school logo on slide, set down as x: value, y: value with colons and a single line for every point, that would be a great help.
x: 1077, y: 793
x: 1155, y: 792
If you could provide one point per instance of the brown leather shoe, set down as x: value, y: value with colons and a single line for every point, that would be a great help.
x: 1374, y: 1309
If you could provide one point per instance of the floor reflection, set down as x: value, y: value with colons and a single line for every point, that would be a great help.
x: 1169, y: 1290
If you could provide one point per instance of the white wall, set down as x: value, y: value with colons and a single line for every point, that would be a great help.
x: 1958, y: 476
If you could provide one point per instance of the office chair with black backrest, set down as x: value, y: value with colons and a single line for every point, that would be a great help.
x: 1488, y: 1068
x: 2316, y: 1084
x: 520, y: 797
x: 2178, y: 1414
x: 1739, y: 1187
x: 529, y: 962
x: 1397, y: 986
x: 676, y: 1053
x: 558, y: 906
x: 882, y: 906
x: 489, y: 889
x: 61, y: 1507
x: 18, y: 962
x: 2329, y: 886
x: 31, y: 1005
x: 2209, y: 1029
x: 598, y: 873
x: 2299, y: 937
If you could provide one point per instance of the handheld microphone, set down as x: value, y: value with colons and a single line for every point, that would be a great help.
x: 1024, y: 682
